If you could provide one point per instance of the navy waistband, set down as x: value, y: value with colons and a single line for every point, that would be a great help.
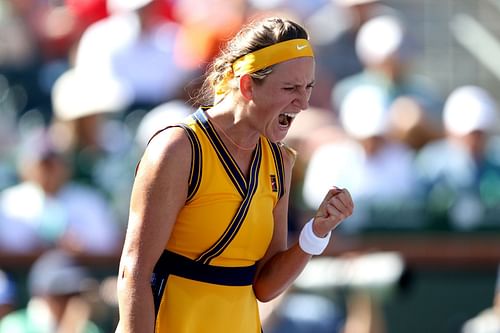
x: 176, y: 264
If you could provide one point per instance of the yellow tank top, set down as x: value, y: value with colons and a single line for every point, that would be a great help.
x: 227, y: 222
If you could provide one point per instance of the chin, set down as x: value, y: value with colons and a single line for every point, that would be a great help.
x: 276, y: 134
x: 277, y: 138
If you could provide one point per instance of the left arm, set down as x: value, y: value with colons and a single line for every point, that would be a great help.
x: 281, y: 265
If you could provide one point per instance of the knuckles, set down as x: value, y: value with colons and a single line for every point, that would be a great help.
x: 335, y: 215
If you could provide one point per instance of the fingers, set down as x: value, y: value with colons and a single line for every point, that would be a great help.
x: 329, y: 195
x: 340, y: 198
x: 336, y: 207
x: 342, y: 201
x: 332, y: 192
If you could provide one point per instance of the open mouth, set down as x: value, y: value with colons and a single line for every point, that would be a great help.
x: 285, y: 119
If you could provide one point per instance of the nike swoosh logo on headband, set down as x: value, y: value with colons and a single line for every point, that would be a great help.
x: 301, y: 47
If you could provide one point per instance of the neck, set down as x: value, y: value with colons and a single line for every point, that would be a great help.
x: 233, y: 128
x: 228, y: 137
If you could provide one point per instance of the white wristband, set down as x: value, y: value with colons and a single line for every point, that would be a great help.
x: 309, y: 242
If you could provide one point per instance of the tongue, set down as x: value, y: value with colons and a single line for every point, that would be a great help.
x: 283, y: 120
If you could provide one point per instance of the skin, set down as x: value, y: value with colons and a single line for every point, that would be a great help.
x: 160, y: 190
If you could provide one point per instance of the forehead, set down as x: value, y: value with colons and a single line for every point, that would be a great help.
x: 299, y: 70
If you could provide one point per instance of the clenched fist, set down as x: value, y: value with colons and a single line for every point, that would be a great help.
x: 336, y: 206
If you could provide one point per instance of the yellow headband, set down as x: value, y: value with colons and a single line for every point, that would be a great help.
x: 271, y: 55
x: 268, y: 56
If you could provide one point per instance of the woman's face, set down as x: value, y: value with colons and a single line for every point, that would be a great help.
x: 281, y: 96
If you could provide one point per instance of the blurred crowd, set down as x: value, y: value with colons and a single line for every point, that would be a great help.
x: 85, y: 83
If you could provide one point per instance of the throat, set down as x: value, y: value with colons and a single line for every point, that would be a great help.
x: 232, y: 142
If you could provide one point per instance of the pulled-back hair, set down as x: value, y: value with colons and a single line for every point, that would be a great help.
x: 252, y: 37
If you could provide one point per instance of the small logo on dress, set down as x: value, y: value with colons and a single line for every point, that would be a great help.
x: 301, y: 47
x: 274, y: 185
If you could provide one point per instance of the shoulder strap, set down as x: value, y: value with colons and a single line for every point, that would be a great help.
x: 196, y: 159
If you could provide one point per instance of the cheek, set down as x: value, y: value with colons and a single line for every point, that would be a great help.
x: 271, y: 102
x: 280, y: 99
x: 265, y: 102
x: 275, y: 107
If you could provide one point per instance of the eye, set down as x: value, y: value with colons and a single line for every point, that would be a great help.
x: 289, y: 88
x: 310, y: 85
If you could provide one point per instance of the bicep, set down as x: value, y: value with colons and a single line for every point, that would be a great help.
x: 158, y: 194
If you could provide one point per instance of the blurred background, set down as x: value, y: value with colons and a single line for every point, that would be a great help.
x: 404, y: 114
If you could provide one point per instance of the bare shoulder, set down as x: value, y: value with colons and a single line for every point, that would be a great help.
x: 170, y: 146
x: 163, y: 172
x: 168, y: 153
x: 289, y: 156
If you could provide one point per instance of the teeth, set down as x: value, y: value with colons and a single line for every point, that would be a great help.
x: 285, y: 118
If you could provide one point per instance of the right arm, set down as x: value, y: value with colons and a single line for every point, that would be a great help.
x: 159, y: 192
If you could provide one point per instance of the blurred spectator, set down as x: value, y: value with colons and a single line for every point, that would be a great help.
x: 18, y: 42
x: 7, y: 294
x: 204, y: 25
x: 87, y: 12
x: 20, y: 54
x: 47, y: 209
x: 57, y: 304
x: 8, y: 134
x: 387, y: 51
x: 461, y: 172
x: 135, y: 46
x: 410, y: 124
x: 87, y: 122
x: 378, y: 171
x: 55, y: 28
x: 37, y: 41
x: 336, y: 56
x: 300, y: 8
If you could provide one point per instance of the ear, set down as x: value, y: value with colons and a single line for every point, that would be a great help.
x: 246, y: 86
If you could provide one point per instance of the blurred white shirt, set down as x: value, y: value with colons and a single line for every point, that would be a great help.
x: 30, y: 219
x: 386, y: 176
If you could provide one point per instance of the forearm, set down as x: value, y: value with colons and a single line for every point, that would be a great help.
x: 136, y: 306
x: 279, y: 273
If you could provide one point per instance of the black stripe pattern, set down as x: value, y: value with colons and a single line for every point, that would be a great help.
x: 171, y: 263
x: 225, y: 157
x: 236, y: 176
x: 196, y: 163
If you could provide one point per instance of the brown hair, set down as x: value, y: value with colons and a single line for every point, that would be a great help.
x: 253, y: 37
